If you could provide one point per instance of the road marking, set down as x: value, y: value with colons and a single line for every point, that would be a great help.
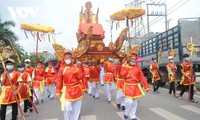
x: 191, y: 108
x: 89, y: 117
x: 114, y: 104
x: 52, y: 119
x: 166, y: 114
x: 9, y: 111
x: 121, y: 115
x: 101, y: 91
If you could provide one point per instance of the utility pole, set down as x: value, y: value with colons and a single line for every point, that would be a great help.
x: 157, y: 13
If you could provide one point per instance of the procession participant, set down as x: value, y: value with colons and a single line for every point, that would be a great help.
x: 69, y: 84
x: 119, y: 87
x: 187, y: 78
x: 95, y: 78
x: 86, y: 77
x: 89, y: 78
x: 102, y: 72
x: 29, y: 69
x: 24, y: 91
x: 132, y: 75
x: 171, y: 69
x: 38, y: 81
x: 155, y: 75
x: 8, y: 95
x: 50, y: 72
x: 109, y: 78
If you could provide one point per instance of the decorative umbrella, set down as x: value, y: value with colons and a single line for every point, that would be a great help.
x: 38, y: 31
x: 126, y: 14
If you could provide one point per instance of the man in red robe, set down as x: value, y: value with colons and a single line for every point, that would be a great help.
x: 8, y: 95
x: 187, y: 78
x: 119, y: 87
x: 109, y: 78
x: 69, y: 84
x: 171, y: 69
x: 156, y: 79
x: 133, y: 76
x: 25, y: 90
x: 38, y: 82
x: 95, y: 78
x: 50, y: 72
x: 29, y: 69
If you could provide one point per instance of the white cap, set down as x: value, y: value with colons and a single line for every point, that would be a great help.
x: 170, y: 57
x: 27, y: 60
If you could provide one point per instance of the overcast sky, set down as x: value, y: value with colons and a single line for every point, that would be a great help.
x: 63, y: 15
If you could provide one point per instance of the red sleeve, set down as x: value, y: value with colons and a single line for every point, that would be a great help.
x: 79, y: 73
x: 123, y: 71
x: 59, y: 81
x: 143, y: 80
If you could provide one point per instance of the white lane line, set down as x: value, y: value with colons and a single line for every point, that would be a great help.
x: 88, y: 117
x: 121, y: 115
x: 101, y: 91
x: 166, y: 114
x: 9, y: 111
x: 191, y: 108
x: 114, y: 104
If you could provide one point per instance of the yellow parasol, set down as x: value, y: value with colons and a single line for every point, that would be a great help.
x: 38, y: 31
x: 37, y: 27
x: 129, y: 13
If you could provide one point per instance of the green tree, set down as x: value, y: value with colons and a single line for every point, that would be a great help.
x: 7, y: 33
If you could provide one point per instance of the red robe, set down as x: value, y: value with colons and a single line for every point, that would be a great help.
x: 172, y: 75
x: 68, y: 81
x: 95, y: 74
x: 186, y: 68
x: 119, y: 79
x: 7, y: 96
x: 86, y: 78
x: 133, y: 75
x: 154, y: 69
x: 23, y: 91
x: 29, y: 70
x: 50, y: 76
x: 109, y: 72
x: 39, y: 77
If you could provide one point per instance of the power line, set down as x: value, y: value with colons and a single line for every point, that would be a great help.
x: 152, y: 22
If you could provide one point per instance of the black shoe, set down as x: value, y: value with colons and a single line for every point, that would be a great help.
x: 31, y: 109
x: 119, y: 106
x: 93, y: 96
x: 48, y: 95
x: 42, y: 100
x: 123, y: 108
x: 125, y: 117
x: 109, y: 102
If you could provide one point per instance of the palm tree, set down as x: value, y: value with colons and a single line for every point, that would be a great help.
x: 7, y: 33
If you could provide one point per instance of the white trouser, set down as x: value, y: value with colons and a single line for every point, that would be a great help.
x: 72, y: 110
x: 95, y: 89
x: 120, y: 98
x: 131, y: 107
x: 50, y: 90
x: 38, y: 94
x: 89, y: 87
x: 110, y: 87
x: 102, y: 78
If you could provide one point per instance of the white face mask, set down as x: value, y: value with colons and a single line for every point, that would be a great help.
x: 154, y: 60
x: 68, y: 61
x: 27, y: 64
x: 171, y: 61
x: 20, y: 69
x: 9, y: 67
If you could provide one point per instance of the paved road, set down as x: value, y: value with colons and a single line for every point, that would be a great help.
x: 151, y: 107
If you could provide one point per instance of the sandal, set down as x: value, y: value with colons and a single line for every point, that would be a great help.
x: 194, y: 101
